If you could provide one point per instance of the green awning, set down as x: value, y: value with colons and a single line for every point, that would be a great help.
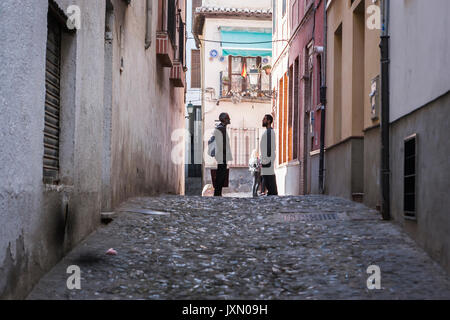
x: 246, y: 43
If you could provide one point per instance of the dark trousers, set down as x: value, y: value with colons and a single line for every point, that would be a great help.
x: 220, y: 179
x: 270, y: 182
x: 256, y: 181
x: 263, y: 187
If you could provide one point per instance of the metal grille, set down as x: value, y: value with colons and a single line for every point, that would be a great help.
x: 242, y: 142
x: 181, y: 42
x: 171, y: 20
x: 309, y: 217
x: 52, y: 102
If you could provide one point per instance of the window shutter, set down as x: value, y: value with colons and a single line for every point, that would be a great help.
x: 195, y: 69
x: 52, y: 102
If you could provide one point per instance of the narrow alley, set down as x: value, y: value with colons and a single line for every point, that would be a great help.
x: 224, y: 150
x: 305, y: 247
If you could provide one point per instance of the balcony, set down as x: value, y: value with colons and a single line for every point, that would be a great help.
x: 240, y: 89
x: 177, y: 74
x: 164, y: 49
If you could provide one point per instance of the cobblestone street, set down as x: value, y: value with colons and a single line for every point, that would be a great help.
x: 310, y: 247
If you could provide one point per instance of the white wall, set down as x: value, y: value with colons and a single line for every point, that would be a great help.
x: 420, y: 59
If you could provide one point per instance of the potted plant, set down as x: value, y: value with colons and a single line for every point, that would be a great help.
x: 267, y: 68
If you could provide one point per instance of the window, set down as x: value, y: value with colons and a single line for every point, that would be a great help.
x: 280, y: 120
x: 195, y: 69
x: 286, y: 118
x: 181, y: 38
x: 284, y: 8
x: 236, y: 65
x: 337, y: 84
x: 409, y: 182
x: 290, y: 117
x: 52, y: 102
x: 296, y: 106
x: 244, y: 76
x: 171, y: 20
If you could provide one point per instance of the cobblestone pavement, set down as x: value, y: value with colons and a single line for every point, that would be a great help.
x: 311, y: 247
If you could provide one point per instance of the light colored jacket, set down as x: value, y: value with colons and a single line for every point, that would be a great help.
x: 268, y: 158
x: 254, y: 165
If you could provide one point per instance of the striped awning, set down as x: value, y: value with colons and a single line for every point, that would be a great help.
x: 246, y: 43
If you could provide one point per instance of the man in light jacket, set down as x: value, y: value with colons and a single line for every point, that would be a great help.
x: 222, y: 152
x: 268, y: 156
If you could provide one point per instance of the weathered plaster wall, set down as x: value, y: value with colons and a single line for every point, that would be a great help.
x: 344, y: 163
x: 349, y: 112
x: 355, y: 102
x: 338, y: 173
x: 147, y: 109
x: 36, y: 228
x: 314, y: 181
x: 432, y: 228
x: 419, y: 104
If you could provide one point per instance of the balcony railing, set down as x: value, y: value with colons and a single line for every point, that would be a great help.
x: 256, y: 85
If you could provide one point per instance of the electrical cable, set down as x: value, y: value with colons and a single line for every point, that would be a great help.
x: 231, y: 42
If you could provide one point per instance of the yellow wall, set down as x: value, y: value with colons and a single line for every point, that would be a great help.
x: 352, y: 115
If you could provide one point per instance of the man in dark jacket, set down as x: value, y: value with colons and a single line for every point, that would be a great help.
x: 222, y: 152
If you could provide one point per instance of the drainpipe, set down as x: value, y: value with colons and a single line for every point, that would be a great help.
x: 385, y: 170
x: 148, y: 26
x: 323, y: 101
